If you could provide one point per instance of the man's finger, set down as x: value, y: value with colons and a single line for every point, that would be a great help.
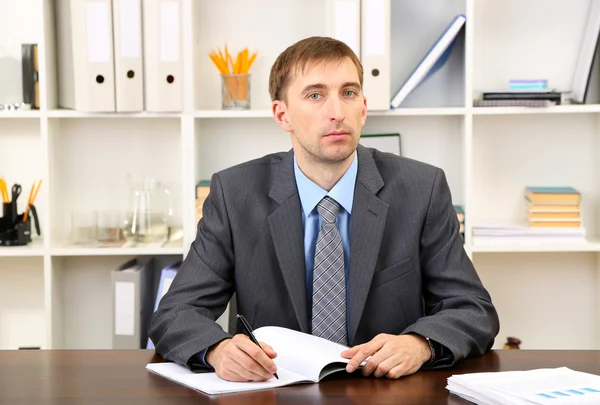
x: 248, y: 369
x: 269, y: 350
x: 262, y: 363
x: 387, y: 364
x: 349, y: 353
x: 383, y: 354
x: 367, y: 350
x: 398, y: 371
x: 230, y: 375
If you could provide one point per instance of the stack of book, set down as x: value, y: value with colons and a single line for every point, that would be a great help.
x: 526, y: 93
x: 460, y: 213
x: 553, y: 207
x: 202, y: 189
x: 553, y: 215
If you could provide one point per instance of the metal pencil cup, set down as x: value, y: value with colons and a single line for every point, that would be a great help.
x: 235, y: 91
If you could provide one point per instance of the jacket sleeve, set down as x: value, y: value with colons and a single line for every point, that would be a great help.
x: 459, y: 313
x: 185, y: 322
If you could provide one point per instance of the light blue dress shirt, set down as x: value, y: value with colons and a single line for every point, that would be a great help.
x: 310, y: 195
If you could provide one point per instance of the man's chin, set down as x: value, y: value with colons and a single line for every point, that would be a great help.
x: 337, y: 156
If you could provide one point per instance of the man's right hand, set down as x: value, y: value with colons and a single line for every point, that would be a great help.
x: 240, y: 359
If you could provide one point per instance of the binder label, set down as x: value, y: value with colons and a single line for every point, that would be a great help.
x: 346, y: 26
x: 169, y: 31
x: 374, y: 31
x: 98, y: 31
x: 131, y: 28
x: 124, y: 308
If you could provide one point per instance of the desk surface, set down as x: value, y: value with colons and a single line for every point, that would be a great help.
x: 119, y: 377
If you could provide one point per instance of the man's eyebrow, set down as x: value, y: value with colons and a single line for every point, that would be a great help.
x: 311, y: 87
x: 321, y: 86
x: 351, y: 84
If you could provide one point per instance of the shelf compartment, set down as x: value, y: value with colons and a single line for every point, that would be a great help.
x: 82, y: 299
x: 22, y: 313
x: 92, y: 158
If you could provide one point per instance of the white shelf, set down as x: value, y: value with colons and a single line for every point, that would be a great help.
x: 264, y: 113
x: 419, y: 111
x: 138, y: 251
x: 20, y: 114
x: 559, y: 109
x: 258, y: 113
x: 79, y: 114
x: 590, y: 246
x: 33, y: 249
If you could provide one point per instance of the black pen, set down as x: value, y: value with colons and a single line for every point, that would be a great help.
x: 250, y: 334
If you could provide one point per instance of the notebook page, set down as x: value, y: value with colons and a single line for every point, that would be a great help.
x: 210, y: 383
x: 305, y: 354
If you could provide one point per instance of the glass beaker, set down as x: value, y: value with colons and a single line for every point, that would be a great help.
x: 149, y: 209
x: 235, y: 91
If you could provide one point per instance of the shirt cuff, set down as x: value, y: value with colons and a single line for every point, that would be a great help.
x: 198, y: 362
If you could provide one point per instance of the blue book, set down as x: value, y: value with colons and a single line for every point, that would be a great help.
x: 553, y: 195
x: 166, y: 278
x: 552, y: 190
x: 433, y: 60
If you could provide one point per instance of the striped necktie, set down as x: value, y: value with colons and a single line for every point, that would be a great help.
x: 329, y: 291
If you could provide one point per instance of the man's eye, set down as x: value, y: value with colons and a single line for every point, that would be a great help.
x: 349, y: 93
x: 314, y: 96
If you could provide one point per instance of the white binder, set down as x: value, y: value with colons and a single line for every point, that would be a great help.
x: 375, y: 53
x: 343, y: 22
x: 129, y: 74
x: 163, y: 74
x: 132, y: 292
x: 85, y: 55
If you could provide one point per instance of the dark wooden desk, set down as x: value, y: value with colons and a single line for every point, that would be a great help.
x: 106, y: 377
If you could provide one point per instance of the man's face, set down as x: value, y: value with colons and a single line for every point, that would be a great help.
x: 325, y: 111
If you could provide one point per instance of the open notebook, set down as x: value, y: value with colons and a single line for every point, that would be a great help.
x: 301, y: 358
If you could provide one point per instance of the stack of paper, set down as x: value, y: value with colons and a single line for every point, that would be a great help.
x: 498, y: 232
x: 541, y: 386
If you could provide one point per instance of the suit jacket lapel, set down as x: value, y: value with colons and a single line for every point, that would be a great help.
x: 369, y: 215
x: 287, y: 233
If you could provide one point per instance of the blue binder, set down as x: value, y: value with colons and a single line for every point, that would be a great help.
x: 433, y: 60
x: 166, y: 278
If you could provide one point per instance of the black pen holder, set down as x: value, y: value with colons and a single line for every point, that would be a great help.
x: 9, y: 214
x: 13, y: 230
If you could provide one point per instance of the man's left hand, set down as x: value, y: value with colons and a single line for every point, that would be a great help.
x: 392, y: 356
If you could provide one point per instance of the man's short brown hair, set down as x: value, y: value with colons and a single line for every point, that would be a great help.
x: 296, y: 56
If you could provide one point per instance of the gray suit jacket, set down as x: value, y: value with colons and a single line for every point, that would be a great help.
x: 408, y: 269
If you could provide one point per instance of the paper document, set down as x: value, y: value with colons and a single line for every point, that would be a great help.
x: 541, y: 386
x: 301, y: 358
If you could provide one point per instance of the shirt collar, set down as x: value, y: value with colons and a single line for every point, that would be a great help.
x: 311, y: 193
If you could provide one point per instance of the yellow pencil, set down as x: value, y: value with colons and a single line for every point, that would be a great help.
x: 226, y: 64
x: 4, y: 191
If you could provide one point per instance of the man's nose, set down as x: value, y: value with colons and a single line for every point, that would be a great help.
x: 335, y: 109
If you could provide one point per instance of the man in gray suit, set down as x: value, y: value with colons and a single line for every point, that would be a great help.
x: 331, y: 238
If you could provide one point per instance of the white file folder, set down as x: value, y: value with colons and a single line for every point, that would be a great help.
x: 133, y: 292
x: 85, y: 55
x: 375, y: 53
x: 163, y: 64
x: 343, y: 22
x: 129, y: 74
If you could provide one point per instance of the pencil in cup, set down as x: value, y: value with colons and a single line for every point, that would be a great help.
x: 236, y: 91
x: 32, y: 196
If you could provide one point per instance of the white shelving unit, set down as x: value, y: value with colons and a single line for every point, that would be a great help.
x: 53, y: 295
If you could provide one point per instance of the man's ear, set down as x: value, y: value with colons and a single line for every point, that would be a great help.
x: 281, y: 116
x: 363, y: 117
